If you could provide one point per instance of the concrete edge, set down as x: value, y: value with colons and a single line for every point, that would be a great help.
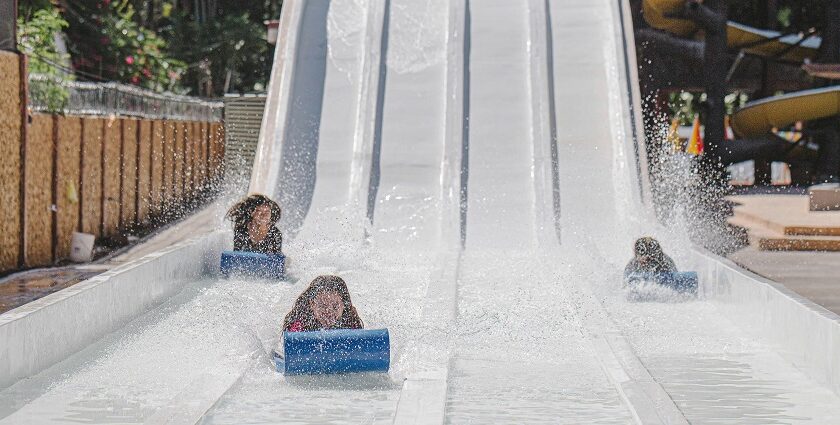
x: 199, y: 397
x: 423, y: 394
x: 808, y: 334
x: 423, y: 399
x: 275, y: 118
x: 38, y: 335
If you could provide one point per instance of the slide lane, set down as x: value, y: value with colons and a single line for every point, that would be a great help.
x: 712, y: 368
x: 388, y: 271
x: 227, y: 351
x: 542, y: 329
x: 521, y: 354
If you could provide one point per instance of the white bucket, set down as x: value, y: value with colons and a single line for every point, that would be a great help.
x: 81, y: 247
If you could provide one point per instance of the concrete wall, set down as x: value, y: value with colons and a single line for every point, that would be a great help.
x: 44, y: 332
x: 809, y: 335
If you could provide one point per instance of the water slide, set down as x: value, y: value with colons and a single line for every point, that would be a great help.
x: 758, y: 118
x: 755, y: 41
x: 473, y: 170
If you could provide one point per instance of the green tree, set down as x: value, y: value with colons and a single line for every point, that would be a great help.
x: 37, y: 33
x: 107, y: 43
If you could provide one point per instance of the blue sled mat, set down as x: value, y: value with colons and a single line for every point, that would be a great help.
x: 334, y: 351
x: 252, y: 264
x: 685, y: 282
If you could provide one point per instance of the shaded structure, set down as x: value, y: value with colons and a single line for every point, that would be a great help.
x: 689, y: 45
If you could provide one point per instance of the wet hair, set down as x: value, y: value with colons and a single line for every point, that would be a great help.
x: 647, y: 247
x: 242, y: 212
x: 302, y: 311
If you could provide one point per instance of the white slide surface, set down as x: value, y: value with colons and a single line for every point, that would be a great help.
x: 471, y: 169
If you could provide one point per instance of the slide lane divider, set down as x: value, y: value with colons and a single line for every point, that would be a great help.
x: 199, y: 398
x: 423, y: 396
x: 367, y: 134
x: 543, y: 124
x: 265, y: 174
x: 644, y: 398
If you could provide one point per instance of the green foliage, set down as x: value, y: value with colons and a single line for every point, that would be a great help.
x: 229, y: 49
x: 685, y: 105
x: 37, y: 33
x: 782, y: 15
x: 109, y: 44
x: 198, y: 47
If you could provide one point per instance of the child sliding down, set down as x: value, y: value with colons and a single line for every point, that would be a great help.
x: 324, y: 305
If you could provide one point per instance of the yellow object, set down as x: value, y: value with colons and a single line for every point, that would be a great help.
x: 790, y: 136
x: 72, y: 195
x: 728, y: 134
x: 737, y: 35
x: 655, y: 11
x: 674, y: 135
x: 695, y: 143
x: 760, y: 117
x: 740, y: 35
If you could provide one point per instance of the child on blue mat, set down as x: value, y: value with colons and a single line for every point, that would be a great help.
x: 324, y: 305
x: 648, y: 258
x: 254, y: 225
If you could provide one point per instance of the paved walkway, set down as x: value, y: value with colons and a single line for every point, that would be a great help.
x: 21, y: 288
x: 783, y: 214
x: 204, y: 220
x: 814, y: 275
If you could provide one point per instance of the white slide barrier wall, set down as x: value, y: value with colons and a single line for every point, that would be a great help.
x: 37, y: 335
x: 808, y: 334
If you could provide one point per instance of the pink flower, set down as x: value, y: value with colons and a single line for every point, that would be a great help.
x: 129, y: 60
x: 135, y: 80
x: 147, y: 73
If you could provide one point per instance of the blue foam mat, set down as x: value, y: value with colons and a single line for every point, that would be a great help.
x: 253, y: 264
x: 686, y: 282
x: 334, y: 351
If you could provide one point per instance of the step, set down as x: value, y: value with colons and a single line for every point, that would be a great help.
x: 787, y: 228
x: 768, y: 240
x: 786, y: 214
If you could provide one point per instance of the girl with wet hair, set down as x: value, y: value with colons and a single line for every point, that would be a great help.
x: 254, y: 219
x: 649, y: 258
x: 324, y: 305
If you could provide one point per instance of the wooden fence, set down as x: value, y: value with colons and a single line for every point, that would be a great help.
x: 61, y: 174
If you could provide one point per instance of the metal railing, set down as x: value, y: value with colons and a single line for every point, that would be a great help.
x: 49, y: 94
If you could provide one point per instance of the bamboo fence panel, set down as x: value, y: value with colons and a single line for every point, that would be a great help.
x: 144, y: 171
x: 128, y: 211
x: 158, y: 159
x: 91, y: 186
x: 198, y: 157
x: 178, y: 180
x: 69, y: 136
x: 189, y: 172
x: 39, y: 180
x: 10, y: 128
x: 111, y: 163
x: 169, y: 164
